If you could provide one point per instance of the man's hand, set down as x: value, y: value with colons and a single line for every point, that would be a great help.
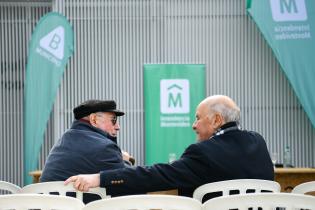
x: 84, y: 182
x: 127, y: 157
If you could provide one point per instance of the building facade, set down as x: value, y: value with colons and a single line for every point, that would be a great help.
x: 114, y: 38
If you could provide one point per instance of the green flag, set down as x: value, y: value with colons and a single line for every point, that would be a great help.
x: 171, y: 93
x: 50, y: 48
x: 288, y: 26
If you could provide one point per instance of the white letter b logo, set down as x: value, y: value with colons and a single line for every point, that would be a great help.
x: 55, y: 42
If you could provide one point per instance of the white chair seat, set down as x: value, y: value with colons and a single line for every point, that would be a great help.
x: 265, y: 201
x: 240, y: 185
x: 12, y: 188
x: 59, y: 187
x: 145, y: 202
x: 304, y: 188
x: 38, y: 201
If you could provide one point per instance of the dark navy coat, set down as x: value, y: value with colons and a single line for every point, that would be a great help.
x: 237, y: 154
x: 83, y: 149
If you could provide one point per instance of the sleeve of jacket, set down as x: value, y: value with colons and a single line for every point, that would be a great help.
x: 187, y: 172
x: 109, y: 157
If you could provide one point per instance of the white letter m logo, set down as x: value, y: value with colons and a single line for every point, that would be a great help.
x: 288, y: 10
x: 174, y: 96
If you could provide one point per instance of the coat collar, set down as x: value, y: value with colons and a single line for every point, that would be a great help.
x: 83, y: 124
x: 227, y: 127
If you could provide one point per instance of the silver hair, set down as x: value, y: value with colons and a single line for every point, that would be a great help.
x: 228, y: 113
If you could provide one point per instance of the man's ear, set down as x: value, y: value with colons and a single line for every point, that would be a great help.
x: 92, y: 119
x: 218, y: 120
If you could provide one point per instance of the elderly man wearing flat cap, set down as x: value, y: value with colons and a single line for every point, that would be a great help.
x: 89, y: 146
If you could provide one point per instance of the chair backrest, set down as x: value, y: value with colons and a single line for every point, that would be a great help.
x: 242, y: 186
x: 264, y: 201
x: 7, y: 186
x: 60, y: 188
x: 304, y: 188
x: 38, y: 201
x: 145, y: 202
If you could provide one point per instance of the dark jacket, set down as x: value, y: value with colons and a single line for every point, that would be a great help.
x: 83, y: 149
x: 236, y: 154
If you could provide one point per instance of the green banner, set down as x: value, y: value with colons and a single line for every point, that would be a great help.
x: 171, y: 94
x: 50, y: 48
x: 288, y: 26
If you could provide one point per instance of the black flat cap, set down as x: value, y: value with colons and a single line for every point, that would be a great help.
x: 92, y: 106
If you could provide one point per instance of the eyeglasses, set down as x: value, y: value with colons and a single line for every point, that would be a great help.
x: 112, y: 119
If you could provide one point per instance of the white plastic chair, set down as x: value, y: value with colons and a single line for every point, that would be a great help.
x: 304, y: 188
x: 145, y: 202
x: 12, y: 188
x: 265, y: 201
x: 240, y: 185
x: 61, y: 188
x: 39, y: 201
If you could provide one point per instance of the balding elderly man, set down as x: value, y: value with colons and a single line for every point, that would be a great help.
x: 223, y: 152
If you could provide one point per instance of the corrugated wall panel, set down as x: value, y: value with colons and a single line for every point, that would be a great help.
x: 114, y: 38
x: 109, y: 55
x: 217, y: 33
x: 17, y: 20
